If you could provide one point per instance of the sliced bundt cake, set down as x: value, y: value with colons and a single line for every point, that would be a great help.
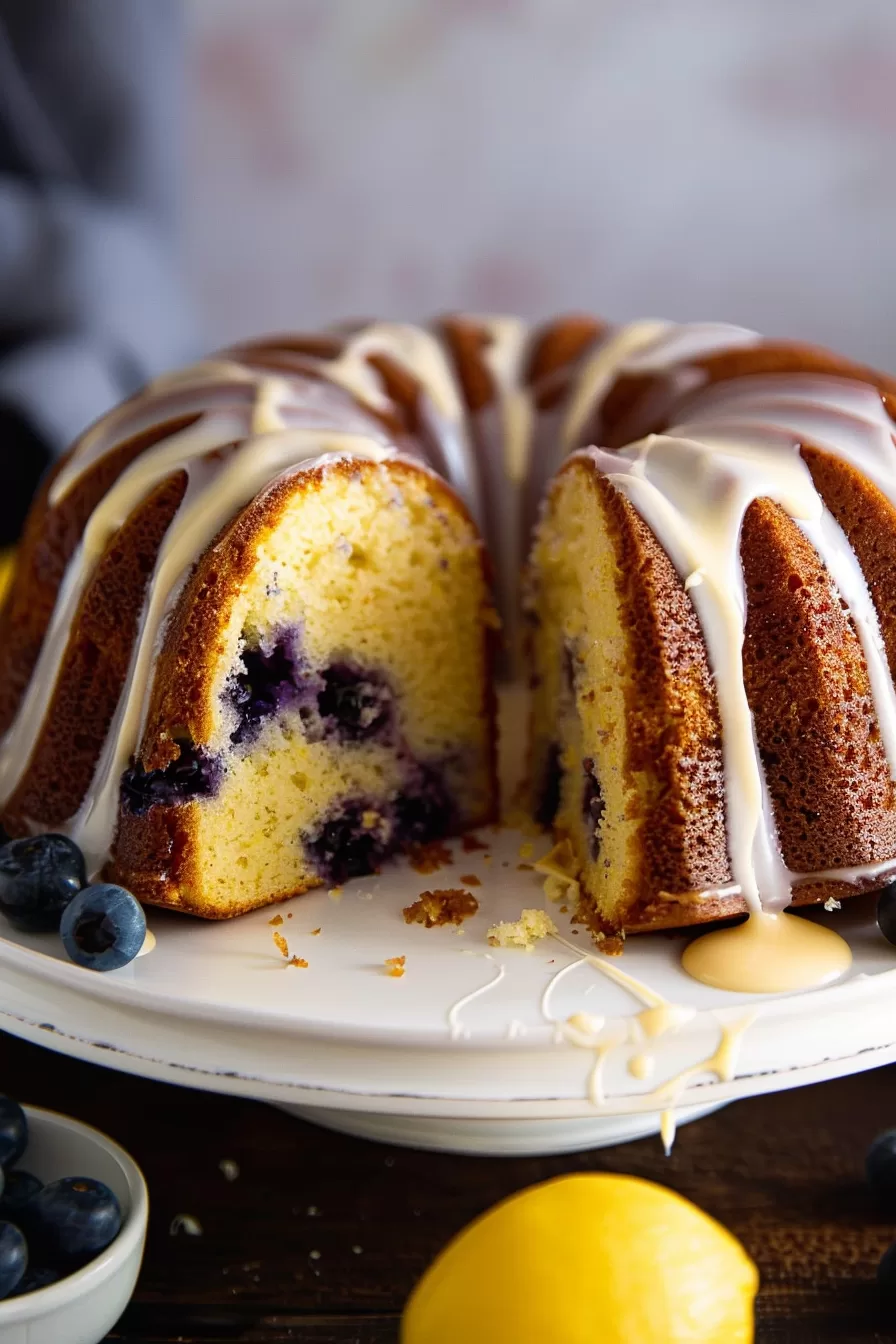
x: 248, y: 646
x: 322, y: 696
x: 712, y: 630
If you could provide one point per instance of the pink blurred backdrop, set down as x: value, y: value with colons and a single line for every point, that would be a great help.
x: 703, y: 158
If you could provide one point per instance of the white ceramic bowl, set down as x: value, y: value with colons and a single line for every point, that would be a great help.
x: 82, y: 1308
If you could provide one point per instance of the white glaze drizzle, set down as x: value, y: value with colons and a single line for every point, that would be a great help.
x: 213, y: 497
x: 419, y: 352
x: 736, y: 443
x: 504, y: 356
x: 659, y: 1018
x: 456, y: 1028
x: 226, y: 412
x: 598, y: 369
x: 693, y: 494
x: 196, y: 390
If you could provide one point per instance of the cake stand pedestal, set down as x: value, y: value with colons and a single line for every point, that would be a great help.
x: 496, y: 1138
x: 469, y: 1050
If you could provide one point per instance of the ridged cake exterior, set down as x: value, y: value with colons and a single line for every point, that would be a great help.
x: 712, y: 632
x: 249, y: 648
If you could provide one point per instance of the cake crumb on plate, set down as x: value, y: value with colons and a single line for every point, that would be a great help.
x: 560, y: 869
x: 429, y: 857
x: 433, y: 909
x: 530, y: 928
x: 395, y: 966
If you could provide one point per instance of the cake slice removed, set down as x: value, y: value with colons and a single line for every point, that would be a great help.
x: 626, y: 750
x: 321, y: 698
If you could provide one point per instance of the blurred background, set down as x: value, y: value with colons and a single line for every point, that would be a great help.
x: 177, y: 173
x: 690, y: 160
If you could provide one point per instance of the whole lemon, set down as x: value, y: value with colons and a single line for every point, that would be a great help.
x: 591, y: 1259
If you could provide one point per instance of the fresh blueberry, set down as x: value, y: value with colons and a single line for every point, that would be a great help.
x: 13, y: 1258
x: 71, y: 1221
x: 13, y: 1132
x: 20, y: 1188
x: 880, y: 1166
x: 41, y: 1276
x: 38, y: 878
x: 886, y: 912
x: 103, y: 928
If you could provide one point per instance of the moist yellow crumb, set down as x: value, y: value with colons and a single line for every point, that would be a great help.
x: 561, y: 888
x: 395, y: 966
x: 561, y: 872
x: 278, y: 919
x: 530, y: 928
x: 282, y: 945
x: 297, y: 961
x: 470, y: 880
x: 436, y: 908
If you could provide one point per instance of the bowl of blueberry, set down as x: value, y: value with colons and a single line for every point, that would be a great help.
x: 73, y: 1216
x: 44, y: 889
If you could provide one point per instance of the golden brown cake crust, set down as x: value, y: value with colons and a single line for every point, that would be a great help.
x: 154, y: 854
x: 808, y: 688
x: 675, y: 730
x: 646, y: 403
x: 94, y: 667
x: 869, y: 521
x: 49, y: 542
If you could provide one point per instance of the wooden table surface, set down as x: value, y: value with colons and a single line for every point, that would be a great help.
x: 320, y: 1237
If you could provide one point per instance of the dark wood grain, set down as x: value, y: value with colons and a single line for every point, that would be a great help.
x: 783, y: 1172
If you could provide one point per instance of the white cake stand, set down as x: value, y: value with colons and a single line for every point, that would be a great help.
x: 467, y: 1050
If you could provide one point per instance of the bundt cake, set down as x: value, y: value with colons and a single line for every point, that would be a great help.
x: 250, y: 643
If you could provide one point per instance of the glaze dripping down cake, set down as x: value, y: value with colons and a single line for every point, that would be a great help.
x: 250, y: 644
